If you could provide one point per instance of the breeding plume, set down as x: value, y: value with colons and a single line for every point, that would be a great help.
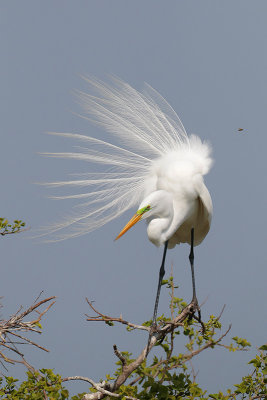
x: 149, y: 164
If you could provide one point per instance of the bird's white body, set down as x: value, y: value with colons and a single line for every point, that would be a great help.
x: 178, y: 197
x: 155, y: 164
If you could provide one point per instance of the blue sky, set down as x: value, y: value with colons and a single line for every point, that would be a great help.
x: 209, y: 60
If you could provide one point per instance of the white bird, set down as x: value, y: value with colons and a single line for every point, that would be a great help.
x: 153, y: 166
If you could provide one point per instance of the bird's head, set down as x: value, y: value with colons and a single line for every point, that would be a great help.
x: 157, y: 204
x: 137, y: 216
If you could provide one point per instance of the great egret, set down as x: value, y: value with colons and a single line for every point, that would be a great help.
x: 155, y: 165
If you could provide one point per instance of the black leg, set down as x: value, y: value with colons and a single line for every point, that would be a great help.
x: 161, y: 275
x: 191, y: 259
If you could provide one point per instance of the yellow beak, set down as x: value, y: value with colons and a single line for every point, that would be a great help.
x: 131, y: 223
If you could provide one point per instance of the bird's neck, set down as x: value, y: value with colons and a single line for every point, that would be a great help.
x: 181, y: 212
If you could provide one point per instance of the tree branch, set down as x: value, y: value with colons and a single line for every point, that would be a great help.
x: 127, y: 369
x: 10, y: 328
x: 105, y: 318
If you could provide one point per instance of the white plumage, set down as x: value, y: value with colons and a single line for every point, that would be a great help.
x: 151, y: 164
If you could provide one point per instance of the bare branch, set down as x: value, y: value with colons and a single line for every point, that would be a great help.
x: 12, y: 327
x: 29, y: 341
x: 119, y: 355
x: 100, y: 386
x: 221, y: 313
x: 105, y: 318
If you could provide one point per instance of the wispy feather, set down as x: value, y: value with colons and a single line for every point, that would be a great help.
x: 147, y: 128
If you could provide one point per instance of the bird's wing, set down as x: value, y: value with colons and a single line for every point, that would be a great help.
x: 204, y: 215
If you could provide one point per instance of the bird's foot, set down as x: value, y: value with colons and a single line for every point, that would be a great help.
x: 153, y: 328
x: 152, y: 331
x: 195, y: 308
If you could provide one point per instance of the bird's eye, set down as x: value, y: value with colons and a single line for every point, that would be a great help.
x: 143, y: 210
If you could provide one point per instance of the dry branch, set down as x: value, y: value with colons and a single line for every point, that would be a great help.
x: 105, y: 318
x: 11, y: 329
